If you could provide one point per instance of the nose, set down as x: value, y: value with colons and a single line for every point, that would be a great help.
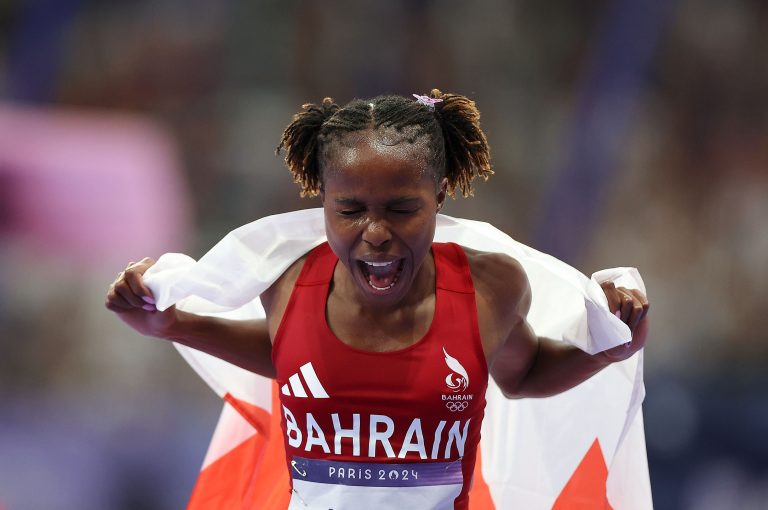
x: 376, y: 233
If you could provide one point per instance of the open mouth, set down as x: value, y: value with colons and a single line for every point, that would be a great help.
x: 382, y: 276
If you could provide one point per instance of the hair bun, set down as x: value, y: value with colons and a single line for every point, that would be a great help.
x: 466, y: 148
x: 300, y: 143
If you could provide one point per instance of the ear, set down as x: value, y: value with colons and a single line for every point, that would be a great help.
x: 442, y: 192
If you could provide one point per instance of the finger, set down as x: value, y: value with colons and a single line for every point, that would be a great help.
x: 627, y: 305
x: 636, y: 314
x: 118, y: 308
x: 116, y: 302
x: 134, y: 277
x: 120, y: 305
x: 135, y: 281
x: 142, y: 265
x: 124, y: 290
x: 611, y: 295
x: 643, y: 301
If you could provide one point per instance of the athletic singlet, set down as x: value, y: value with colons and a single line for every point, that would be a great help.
x: 381, y: 430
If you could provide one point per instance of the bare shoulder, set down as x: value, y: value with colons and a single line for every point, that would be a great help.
x: 275, y: 298
x: 500, y: 281
x: 502, y: 295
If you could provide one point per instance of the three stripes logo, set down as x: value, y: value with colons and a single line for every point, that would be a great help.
x: 295, y: 388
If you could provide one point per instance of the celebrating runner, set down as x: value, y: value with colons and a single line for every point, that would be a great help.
x: 361, y: 331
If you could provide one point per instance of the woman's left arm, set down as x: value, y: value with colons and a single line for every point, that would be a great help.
x: 526, y: 365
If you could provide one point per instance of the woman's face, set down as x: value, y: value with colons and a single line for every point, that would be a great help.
x: 380, y: 204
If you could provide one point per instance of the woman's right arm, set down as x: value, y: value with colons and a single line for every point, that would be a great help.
x: 245, y: 343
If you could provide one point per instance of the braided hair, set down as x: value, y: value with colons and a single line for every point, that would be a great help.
x: 457, y: 146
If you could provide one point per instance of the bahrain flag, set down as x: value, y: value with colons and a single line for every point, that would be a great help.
x: 582, y: 449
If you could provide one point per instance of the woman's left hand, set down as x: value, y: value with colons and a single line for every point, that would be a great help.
x: 631, y: 306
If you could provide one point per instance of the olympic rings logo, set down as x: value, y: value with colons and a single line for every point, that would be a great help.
x: 456, y: 406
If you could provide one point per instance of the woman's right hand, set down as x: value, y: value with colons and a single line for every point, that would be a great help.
x: 133, y: 302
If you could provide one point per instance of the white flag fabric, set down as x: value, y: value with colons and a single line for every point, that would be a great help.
x: 584, y: 448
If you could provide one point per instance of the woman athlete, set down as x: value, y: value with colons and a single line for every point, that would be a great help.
x: 361, y: 332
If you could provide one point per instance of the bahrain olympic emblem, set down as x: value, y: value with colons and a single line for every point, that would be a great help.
x: 457, y: 379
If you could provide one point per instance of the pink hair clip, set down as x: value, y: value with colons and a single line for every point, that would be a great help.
x: 427, y: 101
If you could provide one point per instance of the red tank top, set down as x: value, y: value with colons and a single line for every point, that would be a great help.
x: 377, y: 430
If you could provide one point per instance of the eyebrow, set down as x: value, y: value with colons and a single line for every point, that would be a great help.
x: 354, y: 201
x: 346, y: 201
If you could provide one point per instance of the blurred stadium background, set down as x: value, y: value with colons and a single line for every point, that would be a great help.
x: 624, y: 132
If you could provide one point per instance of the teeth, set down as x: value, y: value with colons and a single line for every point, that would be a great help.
x: 382, y: 265
x: 379, y: 264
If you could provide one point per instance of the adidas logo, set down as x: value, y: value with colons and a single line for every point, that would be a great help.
x: 310, y: 378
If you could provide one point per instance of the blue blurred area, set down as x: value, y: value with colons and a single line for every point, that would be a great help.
x: 76, y: 451
x: 34, y: 53
x: 623, y: 133
x: 704, y: 442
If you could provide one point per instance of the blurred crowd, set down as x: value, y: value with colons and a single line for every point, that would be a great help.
x: 643, y: 124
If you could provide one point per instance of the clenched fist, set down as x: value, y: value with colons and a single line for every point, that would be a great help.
x: 631, y: 306
x: 133, y: 302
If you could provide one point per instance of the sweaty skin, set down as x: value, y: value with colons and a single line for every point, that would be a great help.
x: 381, y: 203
